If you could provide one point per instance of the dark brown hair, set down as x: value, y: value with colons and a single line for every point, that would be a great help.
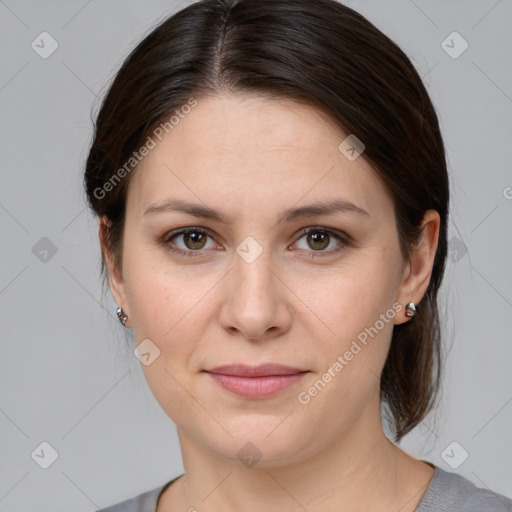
x: 329, y: 56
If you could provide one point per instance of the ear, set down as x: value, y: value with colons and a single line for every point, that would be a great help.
x: 115, y: 276
x: 416, y: 276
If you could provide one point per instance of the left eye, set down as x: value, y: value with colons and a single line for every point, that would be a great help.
x: 318, y: 240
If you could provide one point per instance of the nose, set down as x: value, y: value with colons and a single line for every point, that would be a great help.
x: 256, y: 301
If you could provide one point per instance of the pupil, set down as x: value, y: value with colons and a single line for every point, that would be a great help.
x: 318, y: 239
x: 196, y: 239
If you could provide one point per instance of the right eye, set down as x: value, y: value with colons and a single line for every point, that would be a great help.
x: 193, y: 240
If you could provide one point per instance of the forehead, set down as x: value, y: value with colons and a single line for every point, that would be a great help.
x: 253, y: 152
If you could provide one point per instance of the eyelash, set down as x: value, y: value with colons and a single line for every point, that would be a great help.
x: 343, y: 238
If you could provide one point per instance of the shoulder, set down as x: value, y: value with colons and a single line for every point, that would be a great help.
x: 144, y: 502
x: 450, y: 492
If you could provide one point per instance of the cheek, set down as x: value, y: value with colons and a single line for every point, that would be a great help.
x: 355, y: 301
x: 358, y: 308
x: 167, y: 309
x: 159, y: 294
x: 351, y: 296
x: 172, y: 307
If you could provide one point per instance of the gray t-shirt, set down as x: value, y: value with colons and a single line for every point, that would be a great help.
x: 447, y: 492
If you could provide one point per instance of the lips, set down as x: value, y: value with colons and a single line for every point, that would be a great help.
x: 256, y: 381
x: 263, y: 370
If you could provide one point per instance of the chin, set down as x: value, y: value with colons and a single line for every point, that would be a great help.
x: 262, y: 440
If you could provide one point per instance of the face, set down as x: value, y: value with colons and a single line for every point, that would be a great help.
x: 265, y: 279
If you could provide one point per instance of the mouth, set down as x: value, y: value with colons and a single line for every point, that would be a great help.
x: 256, y: 381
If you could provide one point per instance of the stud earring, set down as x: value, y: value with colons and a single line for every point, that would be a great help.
x: 121, y: 315
x: 410, y: 309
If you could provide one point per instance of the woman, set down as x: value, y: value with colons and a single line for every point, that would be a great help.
x: 271, y: 190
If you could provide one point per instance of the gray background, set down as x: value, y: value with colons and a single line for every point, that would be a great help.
x: 65, y: 375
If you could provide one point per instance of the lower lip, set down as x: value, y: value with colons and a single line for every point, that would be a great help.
x: 256, y: 387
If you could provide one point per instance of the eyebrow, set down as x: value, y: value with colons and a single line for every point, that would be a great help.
x: 289, y: 215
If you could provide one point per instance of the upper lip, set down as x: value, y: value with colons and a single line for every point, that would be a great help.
x: 243, y: 370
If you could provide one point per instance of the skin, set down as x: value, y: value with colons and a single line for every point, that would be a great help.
x: 251, y: 158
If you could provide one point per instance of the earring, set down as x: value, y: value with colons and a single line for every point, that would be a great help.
x: 122, y: 315
x: 410, y: 309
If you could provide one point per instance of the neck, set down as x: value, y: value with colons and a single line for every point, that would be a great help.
x: 361, y: 469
